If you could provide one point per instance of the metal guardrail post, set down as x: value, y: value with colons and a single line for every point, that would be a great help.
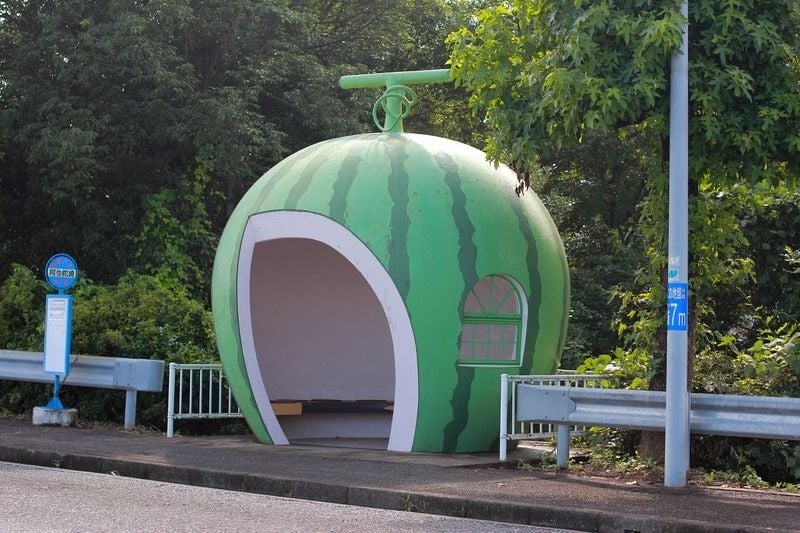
x: 130, y: 408
x: 171, y: 402
x: 562, y: 446
x: 503, y: 416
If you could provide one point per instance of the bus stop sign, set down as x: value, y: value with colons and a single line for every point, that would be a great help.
x: 61, y: 272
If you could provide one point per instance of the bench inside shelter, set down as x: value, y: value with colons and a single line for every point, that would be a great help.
x: 334, y: 418
x: 300, y: 407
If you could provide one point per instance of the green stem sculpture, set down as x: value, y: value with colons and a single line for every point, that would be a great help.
x: 398, y: 99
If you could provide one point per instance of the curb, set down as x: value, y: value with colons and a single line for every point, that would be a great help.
x: 396, y: 500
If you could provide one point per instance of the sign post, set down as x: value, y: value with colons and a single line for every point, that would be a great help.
x: 61, y: 273
x: 676, y: 453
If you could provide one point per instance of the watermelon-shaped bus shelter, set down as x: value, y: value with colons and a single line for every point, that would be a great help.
x: 376, y: 287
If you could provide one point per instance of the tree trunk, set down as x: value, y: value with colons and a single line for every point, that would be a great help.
x: 652, y: 442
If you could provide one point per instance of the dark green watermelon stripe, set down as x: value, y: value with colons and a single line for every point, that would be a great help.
x: 280, y: 173
x: 281, y: 170
x: 562, y: 338
x: 399, y: 221
x: 468, y: 252
x: 535, y: 284
x: 460, y: 406
x: 467, y: 261
x: 345, y: 177
x: 304, y: 180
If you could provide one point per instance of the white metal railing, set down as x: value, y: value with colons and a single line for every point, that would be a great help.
x: 515, y: 429
x: 198, y: 391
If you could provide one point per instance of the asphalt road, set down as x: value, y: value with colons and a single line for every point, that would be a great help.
x: 49, y: 499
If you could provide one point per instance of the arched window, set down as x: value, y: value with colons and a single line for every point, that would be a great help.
x: 493, y: 327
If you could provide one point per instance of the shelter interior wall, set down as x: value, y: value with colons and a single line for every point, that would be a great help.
x: 319, y: 330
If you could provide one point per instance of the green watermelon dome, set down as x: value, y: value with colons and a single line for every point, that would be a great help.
x: 383, y: 283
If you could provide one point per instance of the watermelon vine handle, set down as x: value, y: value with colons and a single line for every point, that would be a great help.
x: 405, y: 96
x: 398, y: 99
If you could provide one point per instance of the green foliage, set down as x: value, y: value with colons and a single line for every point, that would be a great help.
x: 750, y: 462
x: 142, y: 316
x: 611, y: 448
x: 771, y: 224
x: 175, y: 242
x: 593, y: 190
x: 22, y: 298
x: 746, y: 477
x: 628, y: 369
x: 107, y: 103
x: 792, y: 258
x: 743, y: 86
x: 770, y: 366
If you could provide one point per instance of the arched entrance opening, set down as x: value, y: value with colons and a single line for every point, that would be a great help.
x: 326, y: 338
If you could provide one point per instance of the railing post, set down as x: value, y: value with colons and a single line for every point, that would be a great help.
x: 191, y: 390
x: 503, y: 416
x: 200, y: 387
x: 130, y: 408
x: 219, y: 391
x: 171, y: 401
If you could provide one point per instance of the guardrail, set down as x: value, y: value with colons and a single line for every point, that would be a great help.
x: 714, y: 414
x: 119, y: 373
x: 517, y: 429
x: 201, y: 392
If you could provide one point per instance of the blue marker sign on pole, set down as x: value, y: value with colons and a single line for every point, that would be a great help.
x: 677, y: 306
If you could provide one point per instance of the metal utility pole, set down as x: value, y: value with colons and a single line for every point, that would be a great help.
x: 677, y: 411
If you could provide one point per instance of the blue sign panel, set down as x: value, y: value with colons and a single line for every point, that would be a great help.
x: 677, y: 306
x: 61, y: 272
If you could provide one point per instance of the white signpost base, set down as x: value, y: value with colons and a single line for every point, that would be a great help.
x: 44, y: 416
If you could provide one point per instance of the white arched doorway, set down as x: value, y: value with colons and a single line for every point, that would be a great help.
x: 322, y: 323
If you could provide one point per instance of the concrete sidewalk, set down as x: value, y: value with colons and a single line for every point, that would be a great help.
x: 448, y: 484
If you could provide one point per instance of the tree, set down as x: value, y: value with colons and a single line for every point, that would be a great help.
x: 547, y: 73
x: 106, y: 103
x: 593, y: 191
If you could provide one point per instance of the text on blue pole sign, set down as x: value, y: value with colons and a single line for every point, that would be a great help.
x: 677, y: 306
x: 61, y: 272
